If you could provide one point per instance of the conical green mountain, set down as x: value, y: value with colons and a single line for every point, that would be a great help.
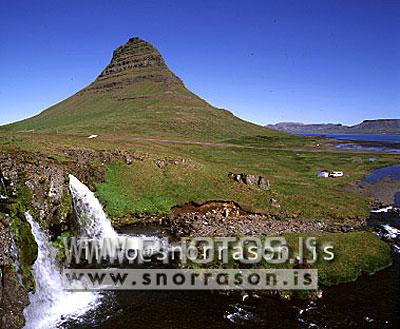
x: 137, y: 94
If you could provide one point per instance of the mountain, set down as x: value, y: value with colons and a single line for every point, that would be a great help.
x: 297, y: 127
x: 379, y: 126
x: 137, y: 94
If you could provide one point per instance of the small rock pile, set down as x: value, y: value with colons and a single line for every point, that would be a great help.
x: 260, y: 181
x: 162, y: 163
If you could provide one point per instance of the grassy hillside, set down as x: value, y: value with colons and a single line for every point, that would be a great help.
x: 143, y: 187
x: 291, y: 165
x: 137, y: 94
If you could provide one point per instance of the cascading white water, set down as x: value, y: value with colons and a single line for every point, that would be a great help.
x: 94, y: 222
x: 51, y: 305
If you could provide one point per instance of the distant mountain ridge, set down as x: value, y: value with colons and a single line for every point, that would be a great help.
x: 378, y: 126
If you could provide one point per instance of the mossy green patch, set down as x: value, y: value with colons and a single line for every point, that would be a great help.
x: 66, y: 208
x: 355, y: 253
x: 59, y: 245
x: 145, y: 188
x: 25, y: 241
x: 27, y: 247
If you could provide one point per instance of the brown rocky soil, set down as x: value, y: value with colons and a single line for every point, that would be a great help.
x: 226, y: 218
x: 382, y: 192
x: 218, y: 218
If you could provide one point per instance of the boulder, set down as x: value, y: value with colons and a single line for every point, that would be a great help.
x: 250, y: 179
x: 160, y: 163
x: 261, y: 181
x: 275, y: 203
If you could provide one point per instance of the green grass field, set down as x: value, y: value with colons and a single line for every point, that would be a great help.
x: 290, y: 164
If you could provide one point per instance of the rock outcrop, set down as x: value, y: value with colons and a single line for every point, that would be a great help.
x: 215, y: 223
x: 224, y: 218
x: 134, y: 62
x: 260, y: 181
x: 13, y: 295
x: 38, y: 184
x: 162, y: 163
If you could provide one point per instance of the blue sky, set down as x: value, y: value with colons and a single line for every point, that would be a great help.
x: 266, y: 61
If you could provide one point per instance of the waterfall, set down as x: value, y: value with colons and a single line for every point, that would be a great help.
x: 3, y: 188
x: 3, y: 185
x: 51, y: 305
x: 94, y: 222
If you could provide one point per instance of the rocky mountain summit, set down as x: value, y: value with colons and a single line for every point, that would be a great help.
x: 134, y: 62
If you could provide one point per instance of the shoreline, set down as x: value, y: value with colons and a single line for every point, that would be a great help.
x: 382, y: 192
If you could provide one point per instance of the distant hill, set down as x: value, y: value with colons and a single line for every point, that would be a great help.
x: 379, y: 126
x: 137, y: 94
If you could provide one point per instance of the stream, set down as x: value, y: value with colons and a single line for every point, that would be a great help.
x: 51, y: 305
x: 370, y: 302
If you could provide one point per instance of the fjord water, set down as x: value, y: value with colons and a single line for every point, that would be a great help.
x: 383, y: 138
x: 365, y: 142
x: 370, y: 302
x: 384, y: 173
